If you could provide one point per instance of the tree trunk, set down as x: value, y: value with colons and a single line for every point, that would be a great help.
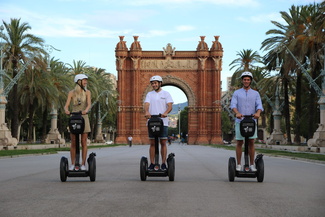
x: 286, y: 111
x: 15, y: 105
x: 30, y: 124
x: 44, y: 124
x: 298, y: 109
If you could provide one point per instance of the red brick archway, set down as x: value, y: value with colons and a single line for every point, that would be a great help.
x: 196, y: 73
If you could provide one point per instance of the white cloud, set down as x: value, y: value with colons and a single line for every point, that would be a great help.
x: 261, y: 18
x: 183, y: 28
x: 182, y: 2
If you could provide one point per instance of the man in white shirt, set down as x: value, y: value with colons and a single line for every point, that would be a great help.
x: 130, y: 140
x: 158, y: 102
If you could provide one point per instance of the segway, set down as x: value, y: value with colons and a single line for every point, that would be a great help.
x: 77, y: 126
x: 247, y: 129
x: 156, y: 127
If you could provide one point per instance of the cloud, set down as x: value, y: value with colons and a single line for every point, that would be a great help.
x: 184, y: 28
x: 187, y: 2
x: 261, y: 18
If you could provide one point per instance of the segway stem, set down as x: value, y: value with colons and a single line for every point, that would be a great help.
x: 156, y: 150
x: 77, y: 160
x: 246, y: 153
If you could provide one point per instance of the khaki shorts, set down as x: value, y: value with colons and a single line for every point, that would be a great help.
x: 87, y: 124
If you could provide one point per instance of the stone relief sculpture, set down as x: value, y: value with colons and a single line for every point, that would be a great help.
x: 169, y: 51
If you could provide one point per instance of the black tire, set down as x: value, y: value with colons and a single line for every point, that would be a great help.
x: 63, y: 169
x: 143, y: 168
x: 260, y: 170
x: 171, y: 168
x: 231, y: 169
x: 92, y: 168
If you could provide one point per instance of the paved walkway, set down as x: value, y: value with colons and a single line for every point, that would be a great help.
x: 31, y: 186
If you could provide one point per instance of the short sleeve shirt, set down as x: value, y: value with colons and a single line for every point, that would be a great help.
x: 158, y: 103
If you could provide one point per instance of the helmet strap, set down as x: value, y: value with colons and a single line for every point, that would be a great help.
x: 160, y: 84
x: 82, y: 87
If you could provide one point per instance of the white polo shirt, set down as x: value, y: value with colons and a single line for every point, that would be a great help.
x: 158, y: 103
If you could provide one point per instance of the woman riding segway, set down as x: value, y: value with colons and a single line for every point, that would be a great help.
x: 80, y: 98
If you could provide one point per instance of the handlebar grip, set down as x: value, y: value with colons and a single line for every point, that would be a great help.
x: 156, y: 116
x: 76, y: 113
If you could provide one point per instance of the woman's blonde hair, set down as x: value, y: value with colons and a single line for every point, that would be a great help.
x: 79, y: 95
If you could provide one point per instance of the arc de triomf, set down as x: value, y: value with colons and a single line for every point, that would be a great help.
x: 196, y: 73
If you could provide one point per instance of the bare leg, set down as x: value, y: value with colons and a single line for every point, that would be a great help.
x: 163, y: 150
x: 84, y: 147
x: 239, y: 150
x: 73, y: 148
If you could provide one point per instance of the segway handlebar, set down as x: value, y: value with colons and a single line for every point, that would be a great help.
x: 156, y: 116
x: 76, y: 113
x: 248, y: 116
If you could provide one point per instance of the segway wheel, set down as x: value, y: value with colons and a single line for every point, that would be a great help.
x: 171, y: 168
x: 260, y: 170
x: 92, y: 167
x: 63, y: 169
x: 231, y: 169
x: 143, y: 168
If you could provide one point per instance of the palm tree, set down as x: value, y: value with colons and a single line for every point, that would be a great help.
x: 35, y: 91
x: 312, y: 43
x: 245, y: 62
x: 18, y: 47
x: 291, y: 36
x: 59, y: 73
x: 101, y: 86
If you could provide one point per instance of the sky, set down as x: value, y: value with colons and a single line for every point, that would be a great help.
x: 89, y: 30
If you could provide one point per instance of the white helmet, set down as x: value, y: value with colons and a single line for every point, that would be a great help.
x: 156, y: 78
x: 249, y: 74
x: 80, y: 77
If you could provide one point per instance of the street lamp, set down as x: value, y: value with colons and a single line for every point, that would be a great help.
x: 179, y: 122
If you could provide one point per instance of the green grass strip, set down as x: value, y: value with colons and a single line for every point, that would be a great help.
x: 294, y: 155
x: 17, y: 152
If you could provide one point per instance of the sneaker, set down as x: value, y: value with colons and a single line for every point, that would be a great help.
x: 238, y: 167
x: 83, y: 167
x: 71, y: 167
x: 163, y: 167
x: 151, y: 167
x: 253, y: 168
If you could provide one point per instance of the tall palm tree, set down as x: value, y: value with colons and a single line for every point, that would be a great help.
x: 245, y: 62
x: 58, y: 76
x: 104, y: 98
x: 292, y: 36
x: 35, y: 91
x: 311, y: 43
x: 18, y: 47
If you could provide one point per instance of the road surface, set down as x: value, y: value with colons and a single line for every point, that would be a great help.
x: 31, y: 186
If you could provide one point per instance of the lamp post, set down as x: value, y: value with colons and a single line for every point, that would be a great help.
x: 179, y: 122
x: 6, y: 139
x: 99, y: 135
x: 318, y: 139
x: 54, y: 135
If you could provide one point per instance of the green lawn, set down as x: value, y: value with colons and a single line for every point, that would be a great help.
x: 12, y: 153
x: 294, y: 155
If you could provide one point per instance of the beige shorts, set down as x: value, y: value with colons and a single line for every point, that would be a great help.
x: 87, y: 124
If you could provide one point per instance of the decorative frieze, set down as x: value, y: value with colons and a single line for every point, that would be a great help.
x: 169, y: 64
